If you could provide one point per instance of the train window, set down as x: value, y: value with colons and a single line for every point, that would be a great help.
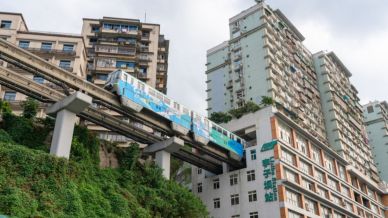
x: 125, y: 77
x: 185, y: 111
x: 166, y: 100
x: 206, y: 122
x: 151, y: 92
x: 132, y: 80
x: 159, y: 96
x: 225, y: 133
x: 239, y: 140
x: 232, y: 137
x: 140, y: 86
x: 176, y: 106
x: 214, y: 127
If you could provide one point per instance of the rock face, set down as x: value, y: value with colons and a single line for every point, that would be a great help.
x: 108, y: 158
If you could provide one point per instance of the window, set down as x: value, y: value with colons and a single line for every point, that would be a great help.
x: 293, y: 198
x: 234, y: 199
x: 252, y: 196
x: 285, y: 133
x: 326, y: 212
x: 10, y: 96
x: 95, y: 29
x: 370, y: 109
x: 6, y: 24
x: 305, y: 167
x: 102, y: 76
x: 65, y: 64
x: 253, y: 154
x: 251, y: 175
x: 342, y: 172
x: 292, y: 214
x: 199, y: 171
x: 68, y: 48
x: 311, y: 205
x: 233, y: 179
x: 125, y: 64
x: 307, y: 185
x: 288, y: 157
x: 332, y: 183
x: 291, y: 176
x: 199, y: 187
x: 319, y: 175
x: 216, y: 183
x: 316, y: 155
x: 46, y: 45
x: 254, y: 215
x: 24, y: 44
x: 235, y: 216
x: 329, y: 164
x: 216, y: 203
x: 38, y: 79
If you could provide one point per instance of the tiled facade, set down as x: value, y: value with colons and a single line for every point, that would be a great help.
x: 376, y: 121
x: 308, y: 178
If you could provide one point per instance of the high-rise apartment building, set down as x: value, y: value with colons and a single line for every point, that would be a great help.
x: 343, y: 113
x: 127, y: 44
x: 265, y: 56
x: 376, y: 121
x: 307, y: 156
x: 64, y: 50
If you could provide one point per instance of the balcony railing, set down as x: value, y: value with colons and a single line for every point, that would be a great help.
x: 51, y: 51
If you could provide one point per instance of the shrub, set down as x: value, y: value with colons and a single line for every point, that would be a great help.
x: 30, y: 108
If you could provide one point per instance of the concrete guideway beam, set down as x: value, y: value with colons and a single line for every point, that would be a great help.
x: 163, y: 151
x: 66, y: 115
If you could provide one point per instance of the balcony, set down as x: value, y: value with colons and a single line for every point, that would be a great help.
x: 144, y: 58
x: 51, y: 51
x: 121, y: 31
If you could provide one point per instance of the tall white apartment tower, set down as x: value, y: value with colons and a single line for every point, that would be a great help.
x: 376, y: 121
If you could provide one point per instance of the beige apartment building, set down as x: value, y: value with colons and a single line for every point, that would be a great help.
x: 64, y: 50
x: 128, y: 44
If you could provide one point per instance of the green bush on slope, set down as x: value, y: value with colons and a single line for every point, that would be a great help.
x: 36, y: 184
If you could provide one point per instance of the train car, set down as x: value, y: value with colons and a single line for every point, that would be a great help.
x: 205, y: 130
x: 136, y: 95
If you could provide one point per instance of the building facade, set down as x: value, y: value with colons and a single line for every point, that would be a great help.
x: 128, y: 44
x: 289, y: 173
x: 64, y: 50
x: 265, y: 56
x: 343, y: 113
x: 376, y: 121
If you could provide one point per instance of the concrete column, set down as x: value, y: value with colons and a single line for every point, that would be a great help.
x: 162, y: 159
x: 66, y: 115
x: 163, y: 151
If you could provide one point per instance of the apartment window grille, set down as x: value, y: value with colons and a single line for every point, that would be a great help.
x: 24, y: 44
x: 5, y: 24
x: 125, y: 64
x: 291, y: 176
x: 288, y: 157
x: 65, y: 64
x: 311, y: 206
x: 342, y: 173
x: 305, y: 167
x: 38, y: 79
x: 253, y: 154
x: 216, y: 203
x: 234, y: 199
x: 233, y: 179
x: 319, y: 175
x: 332, y: 183
x: 10, y: 96
x: 370, y: 109
x: 326, y: 212
x: 316, y: 155
x: 68, y: 48
x: 251, y: 175
x: 46, y: 46
x: 199, y: 187
x: 293, y: 198
x: 199, y: 171
x: 252, y: 196
x: 216, y: 183
x: 292, y: 214
x: 254, y: 215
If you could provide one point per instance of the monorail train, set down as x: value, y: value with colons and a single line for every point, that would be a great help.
x: 131, y: 90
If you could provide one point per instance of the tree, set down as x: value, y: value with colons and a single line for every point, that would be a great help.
x: 265, y: 100
x: 5, y: 108
x: 220, y: 117
x: 30, y: 108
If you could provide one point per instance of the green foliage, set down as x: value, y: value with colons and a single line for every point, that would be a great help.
x: 27, y: 132
x: 36, y: 184
x: 265, y: 101
x: 220, y: 117
x: 249, y: 107
x: 5, y: 108
x: 30, y: 108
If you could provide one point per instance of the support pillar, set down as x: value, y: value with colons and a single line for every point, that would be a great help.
x: 66, y: 115
x: 163, y: 151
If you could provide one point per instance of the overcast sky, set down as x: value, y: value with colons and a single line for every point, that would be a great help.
x: 356, y: 30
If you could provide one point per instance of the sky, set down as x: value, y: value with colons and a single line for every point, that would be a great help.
x: 356, y: 30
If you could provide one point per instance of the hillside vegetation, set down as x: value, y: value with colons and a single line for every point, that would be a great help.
x: 36, y: 184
